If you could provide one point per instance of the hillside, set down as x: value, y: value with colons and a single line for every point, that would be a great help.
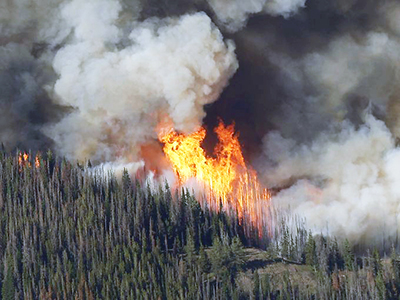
x: 67, y: 232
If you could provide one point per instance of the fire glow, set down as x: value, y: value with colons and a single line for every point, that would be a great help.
x: 24, y: 161
x: 226, y: 180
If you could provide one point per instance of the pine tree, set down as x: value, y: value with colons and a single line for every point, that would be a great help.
x: 8, y: 289
x: 376, y: 262
x: 126, y: 180
x: 311, y: 251
x: 380, y: 285
x: 78, y: 235
x: 217, y: 258
x: 204, y: 262
x: 256, y: 289
x: 348, y: 255
x: 285, y: 243
x: 190, y: 249
x: 394, y: 261
x: 335, y: 259
x: 265, y: 286
x: 237, y: 249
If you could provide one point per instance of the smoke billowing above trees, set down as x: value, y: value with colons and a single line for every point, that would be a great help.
x: 311, y: 85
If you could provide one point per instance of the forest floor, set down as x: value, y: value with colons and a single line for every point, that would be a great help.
x: 260, y: 261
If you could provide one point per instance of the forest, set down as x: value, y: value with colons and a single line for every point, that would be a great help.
x: 68, y: 232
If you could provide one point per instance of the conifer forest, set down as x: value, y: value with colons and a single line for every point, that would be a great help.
x: 199, y: 149
x: 69, y: 233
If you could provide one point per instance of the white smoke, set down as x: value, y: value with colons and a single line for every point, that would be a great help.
x: 115, y: 168
x: 121, y: 74
x: 364, y: 68
x: 27, y: 21
x: 233, y: 14
x: 171, y: 68
x: 349, y: 68
x: 285, y: 8
x: 346, y: 181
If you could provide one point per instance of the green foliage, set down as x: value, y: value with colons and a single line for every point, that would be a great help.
x: 227, y: 258
x: 380, y: 284
x: 76, y: 234
x: 394, y: 260
x: 348, y: 256
x: 265, y: 286
x: 204, y: 262
x: 256, y: 289
x: 311, y: 251
x: 67, y: 233
x: 376, y: 262
x: 8, y: 288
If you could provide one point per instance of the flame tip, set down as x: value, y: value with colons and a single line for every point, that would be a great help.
x: 225, y: 178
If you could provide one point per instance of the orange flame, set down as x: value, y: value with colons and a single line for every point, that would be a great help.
x: 226, y: 179
x: 37, y: 162
x: 23, y: 161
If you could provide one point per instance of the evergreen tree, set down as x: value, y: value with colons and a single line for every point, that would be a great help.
x: 256, y: 290
x: 8, y: 288
x: 79, y: 235
x: 237, y: 249
x: 376, y: 262
x: 311, y: 251
x: 126, y: 180
x: 395, y: 262
x: 204, y: 262
x: 380, y: 285
x: 335, y: 259
x: 348, y: 255
x: 190, y: 249
x: 265, y: 286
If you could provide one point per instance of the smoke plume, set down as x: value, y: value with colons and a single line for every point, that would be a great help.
x: 345, y: 182
x: 233, y: 14
x: 118, y: 76
x: 312, y: 86
x: 317, y: 92
x: 170, y: 67
x: 333, y: 152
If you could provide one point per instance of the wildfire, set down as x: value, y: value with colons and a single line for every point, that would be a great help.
x: 23, y: 160
x: 37, y: 161
x: 225, y: 178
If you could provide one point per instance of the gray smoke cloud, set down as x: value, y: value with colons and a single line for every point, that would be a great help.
x: 27, y: 21
x: 92, y: 79
x: 27, y: 30
x: 115, y: 75
x: 233, y: 14
x: 346, y: 182
x: 333, y: 154
x: 171, y: 68
x: 316, y: 97
x: 24, y: 102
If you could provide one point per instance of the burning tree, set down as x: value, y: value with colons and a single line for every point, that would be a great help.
x: 225, y: 179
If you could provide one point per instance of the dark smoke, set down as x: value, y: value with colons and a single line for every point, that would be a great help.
x: 267, y: 94
x: 24, y: 101
x: 318, y: 92
x: 315, y: 96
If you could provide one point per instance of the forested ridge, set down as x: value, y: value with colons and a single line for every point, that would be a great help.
x: 69, y: 232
